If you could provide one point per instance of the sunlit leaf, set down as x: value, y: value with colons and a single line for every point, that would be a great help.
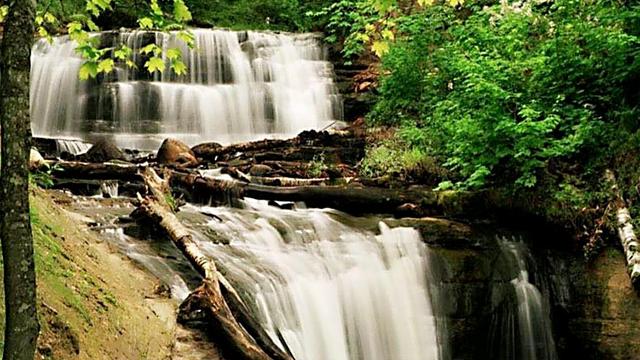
x: 88, y: 70
x: 178, y: 67
x: 155, y: 64
x: 106, y: 66
x: 145, y: 23
x: 187, y: 37
x: 380, y: 48
x: 181, y: 12
x: 173, y: 54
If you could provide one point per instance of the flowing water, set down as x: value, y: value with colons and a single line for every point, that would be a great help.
x: 531, y: 335
x: 239, y: 86
x: 325, y: 290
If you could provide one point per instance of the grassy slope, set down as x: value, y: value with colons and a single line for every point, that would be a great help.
x: 92, y: 302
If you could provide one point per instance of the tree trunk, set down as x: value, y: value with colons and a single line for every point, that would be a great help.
x: 21, y: 327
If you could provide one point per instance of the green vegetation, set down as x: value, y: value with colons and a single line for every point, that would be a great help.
x: 285, y: 15
x: 317, y: 166
x: 534, y: 99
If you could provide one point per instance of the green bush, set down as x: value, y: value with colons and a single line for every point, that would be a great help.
x: 505, y: 93
x: 393, y: 158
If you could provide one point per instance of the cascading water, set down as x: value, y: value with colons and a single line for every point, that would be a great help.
x: 531, y: 326
x: 239, y: 86
x: 325, y: 290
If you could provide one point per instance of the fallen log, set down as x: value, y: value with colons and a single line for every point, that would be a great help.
x: 351, y: 199
x: 626, y: 232
x: 97, y: 171
x: 244, y: 334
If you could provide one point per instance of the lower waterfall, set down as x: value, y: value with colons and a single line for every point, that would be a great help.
x: 323, y: 289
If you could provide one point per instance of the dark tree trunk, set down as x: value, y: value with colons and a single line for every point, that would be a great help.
x: 21, y: 328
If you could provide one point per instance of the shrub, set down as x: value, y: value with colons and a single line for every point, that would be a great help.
x: 511, y: 89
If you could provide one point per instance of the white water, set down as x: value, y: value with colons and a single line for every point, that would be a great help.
x: 534, y: 324
x: 330, y: 291
x: 239, y: 86
x: 73, y: 147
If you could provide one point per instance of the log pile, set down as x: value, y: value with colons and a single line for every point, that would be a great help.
x: 336, y: 154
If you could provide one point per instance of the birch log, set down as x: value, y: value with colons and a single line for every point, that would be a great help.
x: 209, y: 296
x: 626, y: 233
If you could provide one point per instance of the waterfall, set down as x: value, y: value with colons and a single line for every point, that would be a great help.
x: 73, y: 147
x: 533, y: 335
x: 109, y: 189
x: 239, y: 86
x: 323, y: 289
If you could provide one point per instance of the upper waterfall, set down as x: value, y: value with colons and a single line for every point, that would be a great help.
x: 239, y: 86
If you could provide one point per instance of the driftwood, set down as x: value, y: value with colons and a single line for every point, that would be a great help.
x: 248, y: 339
x: 626, y: 233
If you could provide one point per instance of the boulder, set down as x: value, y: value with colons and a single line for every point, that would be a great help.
x: 174, y: 151
x: 102, y: 151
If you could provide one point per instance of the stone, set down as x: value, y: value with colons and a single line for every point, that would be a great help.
x: 102, y: 151
x: 173, y: 151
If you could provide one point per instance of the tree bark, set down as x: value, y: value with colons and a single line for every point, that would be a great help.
x: 21, y: 327
x: 626, y: 233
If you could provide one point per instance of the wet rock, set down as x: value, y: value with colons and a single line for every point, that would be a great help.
x: 174, y: 151
x: 102, y: 151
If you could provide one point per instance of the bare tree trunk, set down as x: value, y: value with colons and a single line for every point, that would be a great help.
x: 21, y: 328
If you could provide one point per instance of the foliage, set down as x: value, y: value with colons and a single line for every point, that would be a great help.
x: 394, y: 158
x: 510, y: 91
x: 348, y: 22
x: 101, y: 60
x: 288, y: 15
x: 4, y: 11
x: 368, y: 26
x: 317, y: 166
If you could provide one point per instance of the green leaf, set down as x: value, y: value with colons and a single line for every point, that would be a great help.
x: 155, y: 64
x: 155, y: 8
x: 145, y: 23
x: 106, y: 66
x: 4, y: 11
x: 174, y: 54
x: 187, y: 37
x: 181, y: 12
x: 74, y: 26
x: 88, y: 70
x: 380, y: 48
x: 151, y: 48
x: 178, y: 67
x: 92, y: 26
